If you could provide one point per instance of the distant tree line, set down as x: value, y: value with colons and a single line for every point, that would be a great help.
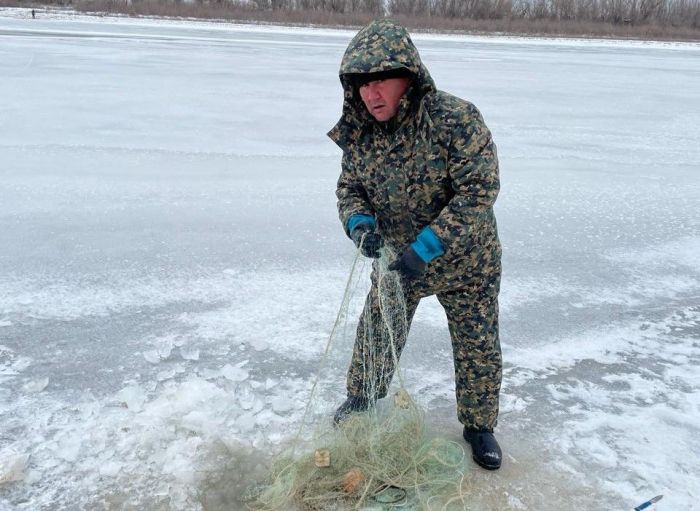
x: 628, y: 18
x: 662, y: 12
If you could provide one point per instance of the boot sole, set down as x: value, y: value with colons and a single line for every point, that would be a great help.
x: 487, y: 467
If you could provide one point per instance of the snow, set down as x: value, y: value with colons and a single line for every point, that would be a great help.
x: 171, y: 263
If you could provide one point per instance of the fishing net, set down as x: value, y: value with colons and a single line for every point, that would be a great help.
x: 383, y: 458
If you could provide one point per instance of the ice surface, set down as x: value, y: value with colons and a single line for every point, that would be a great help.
x: 171, y: 262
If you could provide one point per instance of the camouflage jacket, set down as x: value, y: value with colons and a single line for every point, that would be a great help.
x: 433, y: 165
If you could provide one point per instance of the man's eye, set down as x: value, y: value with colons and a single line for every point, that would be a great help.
x: 373, y: 82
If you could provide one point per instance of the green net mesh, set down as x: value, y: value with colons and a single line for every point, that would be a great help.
x: 380, y: 459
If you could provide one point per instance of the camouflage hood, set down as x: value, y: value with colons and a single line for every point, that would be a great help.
x: 383, y: 45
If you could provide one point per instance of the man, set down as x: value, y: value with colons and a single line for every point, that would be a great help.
x: 420, y: 176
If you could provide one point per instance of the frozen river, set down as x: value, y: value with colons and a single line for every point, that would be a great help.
x: 171, y: 262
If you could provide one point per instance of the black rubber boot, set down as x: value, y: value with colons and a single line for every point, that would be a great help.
x: 485, y: 449
x: 353, y: 404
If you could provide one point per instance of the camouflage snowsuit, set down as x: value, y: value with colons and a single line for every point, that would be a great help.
x: 433, y: 165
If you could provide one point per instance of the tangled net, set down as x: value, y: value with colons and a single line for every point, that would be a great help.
x: 380, y: 459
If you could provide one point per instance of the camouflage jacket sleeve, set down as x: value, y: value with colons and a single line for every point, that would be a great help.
x: 473, y: 168
x: 352, y: 197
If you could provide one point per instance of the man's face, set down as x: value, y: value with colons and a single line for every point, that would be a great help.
x: 381, y: 97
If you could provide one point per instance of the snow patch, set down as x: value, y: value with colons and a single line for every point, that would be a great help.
x: 684, y: 251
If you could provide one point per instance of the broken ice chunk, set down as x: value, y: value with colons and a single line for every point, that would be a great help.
x: 245, y: 423
x: 259, y: 344
x: 36, y: 385
x: 12, y: 466
x: 246, y: 398
x: 165, y: 375
x: 133, y: 397
x: 152, y: 356
x: 209, y: 373
x: 282, y: 404
x: 110, y: 468
x: 235, y: 373
x: 189, y: 353
x: 68, y: 448
x: 162, y: 349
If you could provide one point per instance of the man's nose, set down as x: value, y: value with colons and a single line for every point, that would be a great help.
x: 373, y: 91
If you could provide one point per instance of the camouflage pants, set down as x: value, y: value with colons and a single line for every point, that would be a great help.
x: 472, y: 316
